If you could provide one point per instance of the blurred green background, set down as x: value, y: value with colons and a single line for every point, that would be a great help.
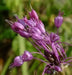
x: 12, y: 45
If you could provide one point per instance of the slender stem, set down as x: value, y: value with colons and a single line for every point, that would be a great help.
x: 61, y: 73
x: 65, y: 43
x: 35, y: 46
x: 22, y: 41
x: 43, y: 72
x: 41, y: 60
x: 38, y: 44
x: 45, y: 48
x: 13, y: 71
x: 22, y: 49
x: 62, y: 48
x: 68, y: 58
x: 7, y: 65
x: 57, y: 31
x: 69, y: 61
x: 38, y: 53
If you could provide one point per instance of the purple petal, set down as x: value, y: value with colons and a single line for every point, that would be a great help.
x: 27, y: 56
x: 24, y: 34
x: 37, y: 36
x: 17, y: 26
x: 40, y: 25
x: 33, y: 14
x: 20, y: 20
x: 55, y: 52
x: 31, y: 22
x: 35, y: 30
x: 17, y: 62
x: 57, y: 68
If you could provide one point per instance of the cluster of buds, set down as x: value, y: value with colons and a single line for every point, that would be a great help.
x: 19, y: 60
x: 34, y: 31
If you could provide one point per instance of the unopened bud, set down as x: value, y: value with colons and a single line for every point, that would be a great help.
x: 58, y: 20
x: 27, y: 56
x: 17, y: 26
x: 33, y: 14
x: 17, y: 62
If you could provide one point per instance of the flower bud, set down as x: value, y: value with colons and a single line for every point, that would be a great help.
x: 27, y: 56
x: 37, y: 36
x: 58, y: 20
x: 48, y: 69
x: 33, y: 14
x: 35, y: 30
x: 17, y: 62
x: 40, y: 25
x: 24, y: 34
x: 20, y: 20
x: 58, y: 69
x: 17, y: 26
x: 31, y: 22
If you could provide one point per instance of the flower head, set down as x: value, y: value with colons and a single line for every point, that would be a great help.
x: 34, y: 31
x: 32, y: 28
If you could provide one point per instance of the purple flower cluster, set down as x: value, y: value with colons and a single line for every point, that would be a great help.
x: 19, y: 60
x: 34, y: 31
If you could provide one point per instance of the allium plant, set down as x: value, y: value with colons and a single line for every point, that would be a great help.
x: 34, y: 31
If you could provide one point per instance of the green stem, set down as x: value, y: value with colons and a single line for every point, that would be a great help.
x: 13, y: 71
x: 7, y: 65
x: 62, y: 73
x: 22, y: 42
x: 21, y: 50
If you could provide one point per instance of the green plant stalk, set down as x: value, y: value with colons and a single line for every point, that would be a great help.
x: 6, y: 67
x: 22, y: 41
x: 13, y: 71
x: 61, y: 73
x: 22, y: 49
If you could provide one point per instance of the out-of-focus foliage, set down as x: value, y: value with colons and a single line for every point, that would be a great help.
x: 47, y: 10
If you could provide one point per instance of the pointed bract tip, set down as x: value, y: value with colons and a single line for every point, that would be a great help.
x: 31, y: 6
x: 15, y: 15
x: 9, y: 22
